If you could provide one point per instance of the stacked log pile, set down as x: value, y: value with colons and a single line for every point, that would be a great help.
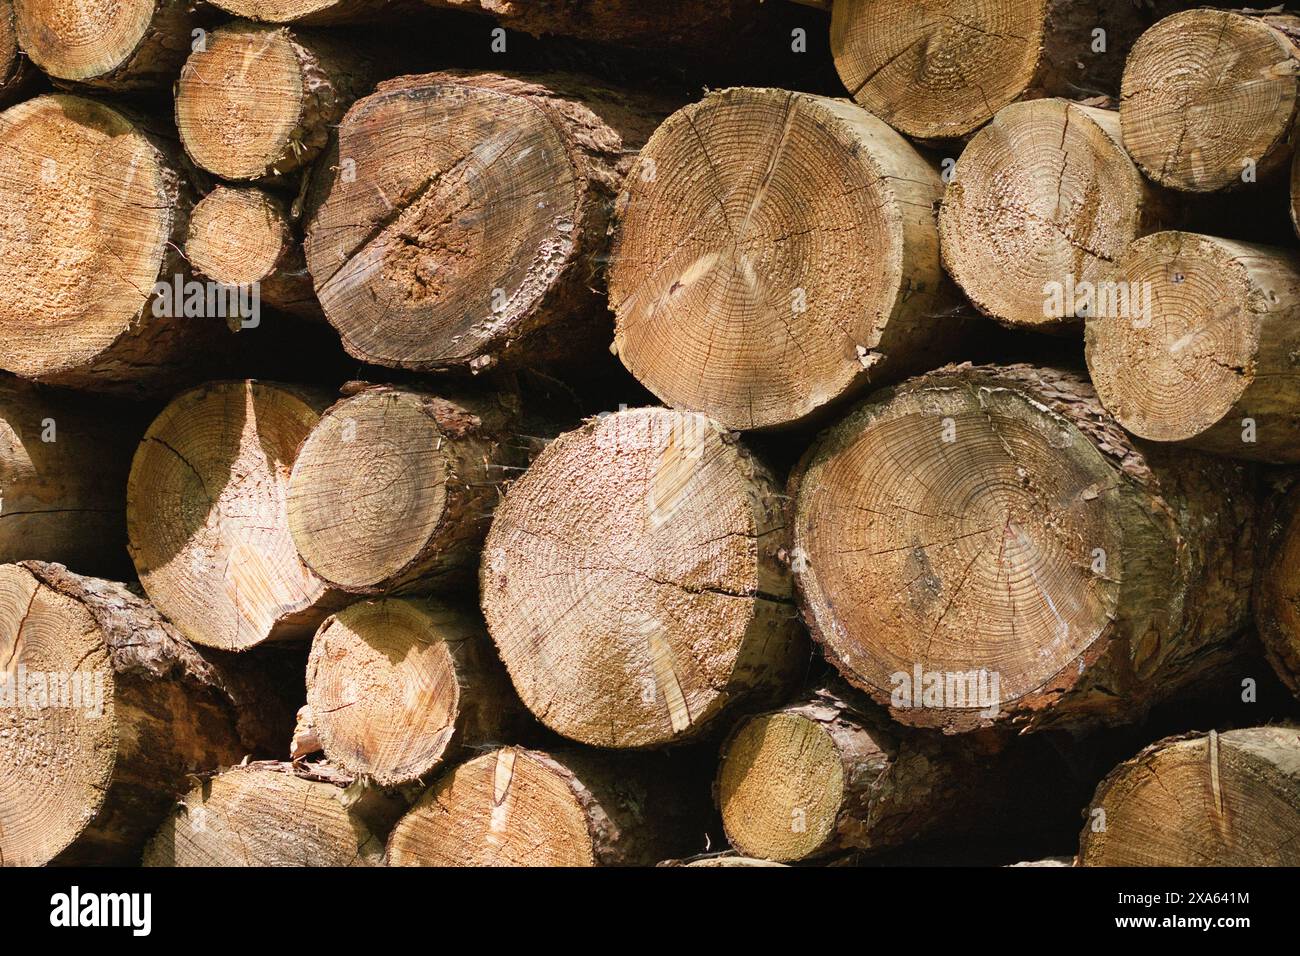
x: 808, y: 433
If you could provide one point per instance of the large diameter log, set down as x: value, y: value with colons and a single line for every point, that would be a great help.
x: 242, y: 237
x: 206, y: 515
x: 93, y: 212
x: 1210, y: 96
x: 275, y: 814
x: 710, y: 27
x: 776, y: 251
x: 941, y: 69
x: 1200, y: 346
x: 63, y: 468
x: 826, y: 776
x: 398, y: 686
x: 633, y: 581
x: 1043, y: 200
x: 462, y: 217
x: 985, y: 546
x: 394, y: 488
x: 1277, y: 583
x: 517, y: 807
x: 259, y: 101
x: 1217, y: 799
x: 107, y: 710
x: 124, y: 46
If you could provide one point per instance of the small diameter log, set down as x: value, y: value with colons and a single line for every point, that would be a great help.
x: 1042, y: 203
x: 206, y: 515
x: 941, y: 70
x: 260, y: 101
x: 305, y: 12
x: 1208, y: 355
x: 242, y: 237
x: 275, y: 814
x: 775, y: 252
x: 107, y: 711
x: 707, y: 27
x: 1229, y: 799
x: 63, y: 468
x: 399, y: 685
x: 827, y: 776
x: 633, y: 584
x: 985, y: 546
x: 517, y: 807
x: 1277, y: 582
x: 16, y: 72
x: 463, y: 216
x: 123, y: 46
x: 93, y: 213
x: 1210, y: 96
x: 394, y: 489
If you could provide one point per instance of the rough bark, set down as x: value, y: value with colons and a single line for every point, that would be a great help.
x: 1210, y: 360
x: 125, y: 46
x: 398, y: 686
x: 90, y: 770
x: 394, y: 489
x: 206, y: 515
x: 1229, y: 799
x: 633, y: 581
x: 260, y: 101
x: 712, y: 27
x: 517, y: 807
x: 1211, y: 95
x: 985, y: 546
x: 1044, y: 198
x: 277, y: 814
x: 63, y: 468
x: 242, y: 237
x: 93, y: 213
x: 1277, y: 583
x: 775, y: 252
x: 461, y: 220
x: 941, y: 69
x: 829, y: 775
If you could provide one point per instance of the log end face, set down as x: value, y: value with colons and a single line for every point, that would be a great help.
x: 236, y: 236
x: 81, y: 41
x: 781, y: 788
x: 58, y: 728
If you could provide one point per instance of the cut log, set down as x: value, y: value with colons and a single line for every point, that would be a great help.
x: 93, y: 212
x: 63, y: 468
x: 260, y: 101
x: 463, y: 216
x: 398, y: 686
x: 107, y: 710
x: 517, y: 807
x: 275, y: 814
x: 710, y: 27
x: 826, y: 775
x: 17, y: 74
x: 206, y: 515
x: 941, y: 69
x: 1042, y: 203
x: 1230, y: 799
x: 1210, y: 96
x: 242, y: 237
x: 304, y: 13
x: 985, y: 546
x: 775, y: 252
x: 394, y: 489
x: 123, y: 46
x: 1209, y: 359
x: 633, y: 581
x: 1277, y: 584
